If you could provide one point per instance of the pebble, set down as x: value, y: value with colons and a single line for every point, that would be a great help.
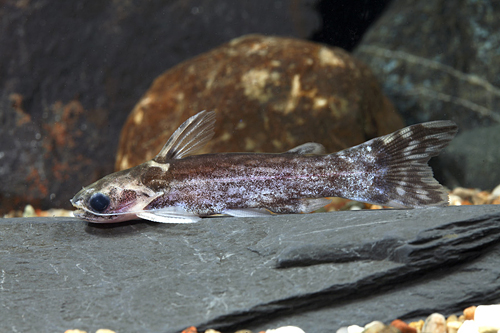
x: 496, y: 192
x: 469, y: 313
x: 417, y: 325
x: 351, y: 329
x: 355, y: 329
x: 480, y: 319
x: 453, y: 326
x: 488, y: 316
x: 374, y: 327
x: 488, y: 330
x: 286, y: 329
x: 470, y: 196
x: 469, y: 326
x: 403, y: 327
x: 435, y: 323
x: 389, y: 329
x: 29, y: 211
x: 101, y: 330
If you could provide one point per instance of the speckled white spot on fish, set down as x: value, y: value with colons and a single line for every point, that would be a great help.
x: 388, y: 139
x: 409, y: 149
x: 406, y: 134
x: 423, y: 197
x: 163, y: 166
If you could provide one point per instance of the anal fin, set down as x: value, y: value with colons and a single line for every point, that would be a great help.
x: 305, y: 205
x: 310, y: 205
x: 247, y: 212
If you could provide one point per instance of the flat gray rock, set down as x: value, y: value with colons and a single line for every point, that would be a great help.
x: 316, y: 271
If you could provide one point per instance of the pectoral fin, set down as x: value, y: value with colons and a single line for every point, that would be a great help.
x: 169, y: 215
x: 191, y: 136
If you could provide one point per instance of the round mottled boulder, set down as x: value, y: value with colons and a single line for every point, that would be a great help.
x: 270, y: 94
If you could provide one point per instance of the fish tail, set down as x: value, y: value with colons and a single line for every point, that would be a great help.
x: 399, y: 171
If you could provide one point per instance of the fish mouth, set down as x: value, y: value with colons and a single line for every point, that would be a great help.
x: 79, y: 213
x: 83, y: 214
x: 89, y: 217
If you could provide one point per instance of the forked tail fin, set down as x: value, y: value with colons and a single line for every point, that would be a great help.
x: 401, y: 176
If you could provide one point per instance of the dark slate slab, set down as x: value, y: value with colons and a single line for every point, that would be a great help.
x: 317, y: 271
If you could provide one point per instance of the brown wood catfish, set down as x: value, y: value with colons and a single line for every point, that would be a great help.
x: 390, y: 170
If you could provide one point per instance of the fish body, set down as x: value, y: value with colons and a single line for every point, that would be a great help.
x: 390, y: 170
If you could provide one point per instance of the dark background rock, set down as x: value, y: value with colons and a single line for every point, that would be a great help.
x: 345, y: 22
x: 439, y: 60
x: 61, y: 273
x: 70, y: 72
x: 270, y: 94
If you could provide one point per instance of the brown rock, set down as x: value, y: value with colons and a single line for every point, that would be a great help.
x: 270, y: 94
x: 403, y: 327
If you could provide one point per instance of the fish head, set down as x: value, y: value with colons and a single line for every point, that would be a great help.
x: 116, y: 197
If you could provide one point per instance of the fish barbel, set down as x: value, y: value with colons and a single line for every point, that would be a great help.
x: 390, y: 170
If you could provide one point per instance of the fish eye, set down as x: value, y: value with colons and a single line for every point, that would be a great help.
x: 99, y: 202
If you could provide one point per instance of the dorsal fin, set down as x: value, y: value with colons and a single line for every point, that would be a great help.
x: 191, y: 136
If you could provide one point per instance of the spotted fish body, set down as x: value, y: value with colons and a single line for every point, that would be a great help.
x: 390, y: 170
